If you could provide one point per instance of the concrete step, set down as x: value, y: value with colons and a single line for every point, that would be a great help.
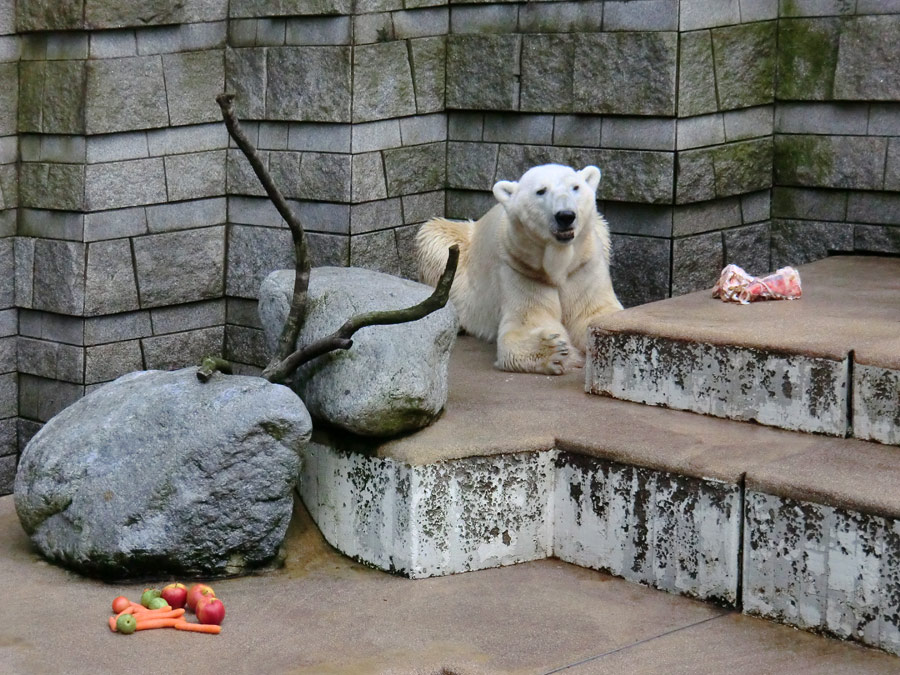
x: 800, y: 528
x: 827, y: 363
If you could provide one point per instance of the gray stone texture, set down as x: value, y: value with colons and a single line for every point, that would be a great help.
x: 52, y: 96
x: 868, y: 52
x: 382, y: 82
x: 308, y: 84
x: 376, y: 251
x: 245, y: 77
x: 58, y: 276
x: 543, y: 54
x: 795, y: 242
x: 394, y: 378
x: 121, y: 184
x: 107, y: 362
x: 110, y: 285
x: 178, y: 267
x: 482, y: 72
x: 696, y: 262
x: 195, y: 175
x: 254, y: 252
x: 179, y: 350
x: 613, y: 74
x: 77, y: 497
x: 193, y: 80
x: 125, y: 94
x: 52, y: 186
x: 428, y: 57
x: 419, y: 168
x: 471, y: 166
x: 639, y: 267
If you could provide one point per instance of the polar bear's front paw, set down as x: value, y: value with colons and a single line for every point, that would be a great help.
x: 553, y: 353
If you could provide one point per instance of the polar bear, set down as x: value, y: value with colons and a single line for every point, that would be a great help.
x: 533, y: 271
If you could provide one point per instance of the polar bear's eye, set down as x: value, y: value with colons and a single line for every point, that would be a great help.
x: 574, y: 188
x: 542, y: 191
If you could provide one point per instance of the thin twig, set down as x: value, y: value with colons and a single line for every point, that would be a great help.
x: 340, y: 339
x: 301, y: 253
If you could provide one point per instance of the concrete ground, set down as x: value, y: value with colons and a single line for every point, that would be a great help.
x: 324, y: 614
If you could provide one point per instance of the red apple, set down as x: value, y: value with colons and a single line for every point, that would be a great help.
x: 196, y: 592
x: 210, y: 610
x: 175, y: 595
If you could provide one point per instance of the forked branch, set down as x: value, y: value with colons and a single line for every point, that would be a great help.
x: 341, y: 338
x: 286, y: 360
x: 301, y: 253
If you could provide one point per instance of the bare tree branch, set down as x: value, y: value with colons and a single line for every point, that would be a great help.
x: 340, y: 339
x: 301, y: 253
x: 286, y: 360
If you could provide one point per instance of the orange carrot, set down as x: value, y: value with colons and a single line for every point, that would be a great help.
x: 155, y: 614
x: 147, y: 624
x: 112, y: 624
x: 198, y: 627
x: 152, y: 612
x: 128, y: 610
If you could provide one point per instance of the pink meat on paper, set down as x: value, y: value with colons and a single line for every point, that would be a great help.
x: 735, y: 285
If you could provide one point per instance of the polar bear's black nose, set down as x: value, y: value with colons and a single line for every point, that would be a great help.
x: 565, y: 219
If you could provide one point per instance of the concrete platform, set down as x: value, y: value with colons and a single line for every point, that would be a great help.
x: 526, y: 467
x: 789, y: 364
x: 324, y: 614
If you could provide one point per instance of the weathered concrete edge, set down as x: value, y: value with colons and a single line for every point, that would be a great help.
x: 684, y: 381
x: 479, y: 512
x: 822, y: 568
x: 876, y: 403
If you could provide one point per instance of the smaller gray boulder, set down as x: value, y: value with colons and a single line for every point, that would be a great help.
x: 394, y: 379
x: 156, y: 473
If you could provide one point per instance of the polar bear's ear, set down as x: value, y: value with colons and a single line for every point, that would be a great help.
x: 504, y: 190
x: 591, y: 176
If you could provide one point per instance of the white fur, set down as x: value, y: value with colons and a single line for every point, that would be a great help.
x: 516, y: 282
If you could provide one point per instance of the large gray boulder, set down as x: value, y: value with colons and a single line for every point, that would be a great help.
x: 156, y: 473
x: 394, y: 378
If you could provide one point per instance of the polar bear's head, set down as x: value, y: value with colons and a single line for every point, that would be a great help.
x: 553, y: 201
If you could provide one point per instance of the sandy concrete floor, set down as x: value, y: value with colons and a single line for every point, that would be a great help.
x: 324, y: 614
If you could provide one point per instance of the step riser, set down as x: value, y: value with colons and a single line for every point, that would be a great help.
x: 808, y: 565
x: 823, y: 568
x: 482, y: 512
x: 675, y: 533
x: 789, y: 391
x: 876, y: 404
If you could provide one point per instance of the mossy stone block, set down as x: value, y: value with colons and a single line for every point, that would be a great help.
x: 855, y: 162
x: 742, y: 167
x: 483, y: 72
x: 696, y: 75
x: 745, y: 64
x: 418, y: 168
x: 52, y: 186
x: 807, y: 58
x: 428, y: 71
x: 41, y: 15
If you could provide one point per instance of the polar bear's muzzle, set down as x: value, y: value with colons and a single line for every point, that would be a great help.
x: 564, y: 228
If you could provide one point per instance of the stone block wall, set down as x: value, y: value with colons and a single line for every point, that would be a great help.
x: 837, y: 130
x: 761, y: 132
x: 673, y: 101
x: 9, y: 195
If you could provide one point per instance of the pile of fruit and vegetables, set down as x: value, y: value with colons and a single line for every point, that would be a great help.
x: 166, y: 609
